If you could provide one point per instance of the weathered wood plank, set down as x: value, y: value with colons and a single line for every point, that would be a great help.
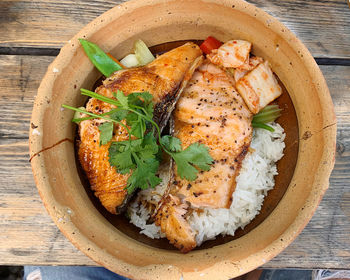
x: 322, y: 25
x: 28, y: 236
x: 18, y: 86
x: 315, y: 22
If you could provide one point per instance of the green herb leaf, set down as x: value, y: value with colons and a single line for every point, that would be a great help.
x: 150, y: 140
x: 144, y: 176
x: 106, y: 65
x: 119, y: 114
x: 139, y: 155
x: 122, y: 160
x: 185, y: 169
x: 171, y: 143
x: 146, y: 96
x: 194, y: 155
x: 143, y: 100
x: 106, y: 132
x: 138, y: 129
x: 149, y: 148
x: 134, y: 98
x: 122, y: 99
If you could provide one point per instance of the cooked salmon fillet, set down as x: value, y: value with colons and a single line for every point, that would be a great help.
x: 211, y: 111
x: 170, y: 218
x: 164, y: 78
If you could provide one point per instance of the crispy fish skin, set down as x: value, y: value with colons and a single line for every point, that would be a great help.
x: 107, y: 184
x: 164, y: 78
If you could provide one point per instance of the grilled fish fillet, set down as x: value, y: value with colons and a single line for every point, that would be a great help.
x: 171, y: 220
x: 212, y: 112
x: 165, y: 78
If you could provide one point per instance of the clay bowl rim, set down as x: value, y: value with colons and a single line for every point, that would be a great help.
x: 323, y: 172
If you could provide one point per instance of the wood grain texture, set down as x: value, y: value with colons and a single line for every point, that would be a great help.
x: 28, y: 236
x: 321, y: 24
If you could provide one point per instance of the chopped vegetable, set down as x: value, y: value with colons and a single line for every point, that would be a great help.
x: 142, y: 155
x: 142, y: 53
x: 269, y: 114
x: 210, y: 44
x: 130, y: 61
x: 106, y: 65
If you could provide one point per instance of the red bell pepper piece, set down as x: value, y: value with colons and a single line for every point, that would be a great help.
x: 210, y: 44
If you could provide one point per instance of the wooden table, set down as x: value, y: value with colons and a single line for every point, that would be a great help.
x: 31, y: 34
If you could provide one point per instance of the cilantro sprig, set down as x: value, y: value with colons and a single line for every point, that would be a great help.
x: 141, y: 155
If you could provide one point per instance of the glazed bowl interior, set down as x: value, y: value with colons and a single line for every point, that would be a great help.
x: 304, y: 172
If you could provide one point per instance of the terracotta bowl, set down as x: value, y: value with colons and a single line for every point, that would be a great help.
x: 309, y: 122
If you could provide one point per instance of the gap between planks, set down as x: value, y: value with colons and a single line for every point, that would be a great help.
x: 54, y: 52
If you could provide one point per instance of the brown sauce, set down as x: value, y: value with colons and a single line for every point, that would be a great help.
x: 285, y: 167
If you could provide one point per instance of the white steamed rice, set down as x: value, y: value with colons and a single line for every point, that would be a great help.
x: 256, y: 178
